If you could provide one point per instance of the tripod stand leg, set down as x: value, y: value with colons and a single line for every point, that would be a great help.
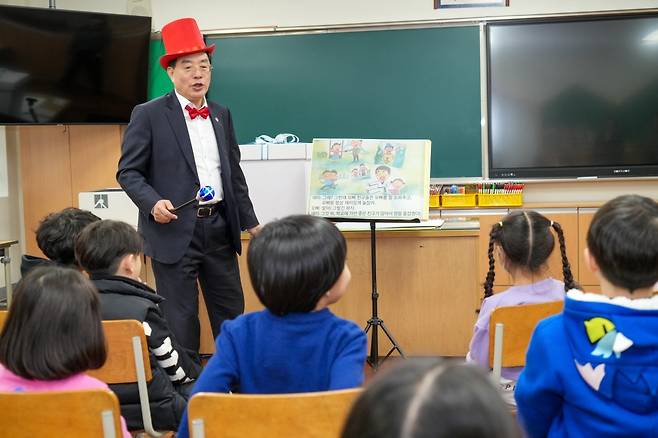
x: 396, y: 346
x: 373, y: 358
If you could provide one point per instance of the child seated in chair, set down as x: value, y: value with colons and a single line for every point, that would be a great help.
x: 55, y: 236
x: 523, y: 242
x: 297, y: 268
x: 593, y: 370
x: 110, y: 252
x: 53, y: 335
x: 430, y: 398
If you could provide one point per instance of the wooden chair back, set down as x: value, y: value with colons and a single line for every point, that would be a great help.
x: 518, y: 323
x: 121, y: 366
x: 311, y: 415
x: 3, y: 317
x: 128, y: 362
x: 90, y: 413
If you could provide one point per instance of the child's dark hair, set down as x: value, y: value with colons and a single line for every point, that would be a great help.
x: 53, y: 328
x: 623, y: 239
x: 57, y: 232
x: 527, y: 241
x: 430, y: 398
x: 295, y: 260
x: 100, y: 246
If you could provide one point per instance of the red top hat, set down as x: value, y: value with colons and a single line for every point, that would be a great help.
x: 182, y: 37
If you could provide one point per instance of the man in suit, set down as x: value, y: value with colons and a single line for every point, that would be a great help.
x: 173, y: 146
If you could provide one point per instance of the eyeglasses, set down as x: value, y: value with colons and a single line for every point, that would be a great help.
x: 189, y: 69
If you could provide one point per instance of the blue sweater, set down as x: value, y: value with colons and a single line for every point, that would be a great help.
x: 260, y: 353
x: 592, y: 371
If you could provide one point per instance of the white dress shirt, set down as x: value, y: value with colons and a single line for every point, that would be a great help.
x: 205, y: 150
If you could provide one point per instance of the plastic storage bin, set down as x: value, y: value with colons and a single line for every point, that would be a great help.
x: 458, y: 200
x: 500, y: 199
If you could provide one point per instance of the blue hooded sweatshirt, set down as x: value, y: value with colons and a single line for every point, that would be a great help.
x: 592, y: 371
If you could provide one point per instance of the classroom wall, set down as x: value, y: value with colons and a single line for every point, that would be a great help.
x: 233, y: 14
x: 214, y: 14
x: 242, y: 13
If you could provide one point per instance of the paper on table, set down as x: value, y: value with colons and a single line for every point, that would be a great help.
x: 365, y: 226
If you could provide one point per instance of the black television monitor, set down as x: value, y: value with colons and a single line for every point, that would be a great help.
x: 573, y: 97
x: 61, y: 66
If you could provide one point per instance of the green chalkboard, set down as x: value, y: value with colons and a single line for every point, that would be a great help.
x: 407, y: 83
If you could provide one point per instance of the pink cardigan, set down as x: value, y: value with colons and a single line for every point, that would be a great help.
x: 10, y: 382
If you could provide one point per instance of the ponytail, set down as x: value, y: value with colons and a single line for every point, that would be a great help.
x: 569, y: 282
x: 494, y: 236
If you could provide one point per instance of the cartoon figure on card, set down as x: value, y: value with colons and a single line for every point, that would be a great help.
x: 395, y: 186
x: 389, y: 154
x: 363, y: 170
x: 336, y: 151
x: 356, y: 148
x: 329, y: 180
x: 379, y: 185
x: 400, y: 152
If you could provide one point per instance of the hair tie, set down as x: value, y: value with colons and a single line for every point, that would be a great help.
x: 501, y: 224
x: 551, y: 224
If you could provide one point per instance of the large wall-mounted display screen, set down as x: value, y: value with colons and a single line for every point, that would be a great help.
x: 71, y: 67
x: 573, y: 97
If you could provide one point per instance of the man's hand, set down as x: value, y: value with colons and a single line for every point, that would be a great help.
x: 161, y: 212
x: 255, y: 230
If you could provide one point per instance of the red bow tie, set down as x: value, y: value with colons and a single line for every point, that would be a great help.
x: 203, y: 112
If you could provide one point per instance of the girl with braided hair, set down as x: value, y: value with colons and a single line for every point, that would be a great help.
x: 523, y: 242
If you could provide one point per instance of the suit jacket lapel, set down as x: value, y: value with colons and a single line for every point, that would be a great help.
x: 177, y: 120
x: 220, y: 135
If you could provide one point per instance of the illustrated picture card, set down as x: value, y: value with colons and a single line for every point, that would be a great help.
x: 370, y: 179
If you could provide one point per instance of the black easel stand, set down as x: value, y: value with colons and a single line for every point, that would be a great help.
x: 375, y: 322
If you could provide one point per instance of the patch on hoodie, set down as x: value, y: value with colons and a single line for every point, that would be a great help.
x: 603, y: 333
x: 593, y: 376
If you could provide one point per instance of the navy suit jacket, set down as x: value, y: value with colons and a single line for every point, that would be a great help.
x: 157, y: 163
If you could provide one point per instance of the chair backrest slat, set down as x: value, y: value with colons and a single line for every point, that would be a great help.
x: 120, y: 364
x: 312, y: 415
x: 519, y: 322
x: 60, y: 413
x: 124, y: 338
